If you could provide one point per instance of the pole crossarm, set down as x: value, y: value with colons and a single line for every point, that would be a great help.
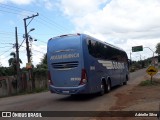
x: 31, y: 16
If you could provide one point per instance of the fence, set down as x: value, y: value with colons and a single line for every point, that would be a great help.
x: 8, y: 84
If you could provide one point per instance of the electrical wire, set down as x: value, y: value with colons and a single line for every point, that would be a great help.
x: 38, y: 51
x: 13, y: 7
x: 5, y: 46
x: 7, y: 43
x: 16, y: 10
x: 6, y: 57
x: 9, y: 33
x: 44, y: 20
x: 6, y: 51
x: 60, y: 28
x: 42, y: 41
x: 21, y: 43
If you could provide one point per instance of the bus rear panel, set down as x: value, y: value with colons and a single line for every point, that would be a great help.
x: 66, y: 67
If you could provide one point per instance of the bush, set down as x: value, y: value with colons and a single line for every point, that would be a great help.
x: 149, y: 83
x: 41, y: 71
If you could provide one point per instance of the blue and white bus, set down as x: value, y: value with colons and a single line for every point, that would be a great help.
x: 81, y: 64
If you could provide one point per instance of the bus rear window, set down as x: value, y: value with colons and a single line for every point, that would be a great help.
x: 64, y: 44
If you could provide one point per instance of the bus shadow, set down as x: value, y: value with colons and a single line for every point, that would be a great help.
x: 116, y: 87
x: 80, y: 97
x: 87, y: 97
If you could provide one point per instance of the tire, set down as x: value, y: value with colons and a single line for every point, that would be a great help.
x: 103, y: 86
x: 125, y: 83
x: 108, y: 88
x: 121, y: 83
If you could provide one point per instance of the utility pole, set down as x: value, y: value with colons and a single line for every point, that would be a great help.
x: 153, y: 55
x: 27, y: 46
x: 26, y: 35
x: 17, y: 61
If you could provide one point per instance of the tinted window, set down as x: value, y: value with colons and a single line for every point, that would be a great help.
x: 102, y: 51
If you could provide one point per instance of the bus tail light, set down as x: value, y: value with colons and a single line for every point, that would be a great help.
x: 49, y: 78
x: 83, y: 77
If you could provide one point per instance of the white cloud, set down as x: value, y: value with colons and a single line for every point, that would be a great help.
x: 11, y: 22
x: 38, y: 53
x: 118, y: 21
x: 80, y: 8
x: 2, y: 1
x: 18, y: 2
x: 21, y: 2
x: 4, y: 60
x: 48, y: 4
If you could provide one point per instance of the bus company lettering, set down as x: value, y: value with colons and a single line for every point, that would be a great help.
x: 112, y: 64
x: 64, y: 56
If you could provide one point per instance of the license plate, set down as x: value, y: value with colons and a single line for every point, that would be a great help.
x: 65, y: 91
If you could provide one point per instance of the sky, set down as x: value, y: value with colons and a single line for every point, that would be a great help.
x: 123, y: 23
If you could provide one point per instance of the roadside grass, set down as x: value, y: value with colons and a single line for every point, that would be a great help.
x: 154, y: 82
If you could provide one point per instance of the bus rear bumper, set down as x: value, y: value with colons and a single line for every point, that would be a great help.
x: 68, y: 90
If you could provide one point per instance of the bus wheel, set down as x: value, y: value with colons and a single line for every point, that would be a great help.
x: 125, y: 83
x: 102, y: 92
x: 108, y: 87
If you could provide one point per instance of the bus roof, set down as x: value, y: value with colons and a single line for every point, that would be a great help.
x: 78, y: 34
x: 65, y: 35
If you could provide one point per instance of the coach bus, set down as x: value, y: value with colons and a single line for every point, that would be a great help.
x: 81, y: 64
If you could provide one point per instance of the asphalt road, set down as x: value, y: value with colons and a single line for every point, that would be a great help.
x: 46, y: 101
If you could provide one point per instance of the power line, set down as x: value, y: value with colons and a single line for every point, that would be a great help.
x: 41, y: 41
x: 46, y: 21
x: 6, y: 57
x: 9, y: 33
x: 20, y: 9
x: 50, y: 26
x: 7, y: 43
x: 5, y: 51
x: 9, y: 12
x: 7, y: 37
x: 38, y: 51
x: 9, y: 8
x: 53, y: 22
x: 5, y: 46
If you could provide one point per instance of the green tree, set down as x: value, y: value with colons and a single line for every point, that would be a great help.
x: 43, y: 63
x: 158, y: 51
x: 44, y: 59
x: 13, y: 61
x: 41, y: 68
x: 158, y: 48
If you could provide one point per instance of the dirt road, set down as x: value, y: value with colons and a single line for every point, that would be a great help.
x: 128, y: 97
x: 137, y: 98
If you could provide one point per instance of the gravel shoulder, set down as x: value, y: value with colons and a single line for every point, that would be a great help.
x: 137, y: 98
